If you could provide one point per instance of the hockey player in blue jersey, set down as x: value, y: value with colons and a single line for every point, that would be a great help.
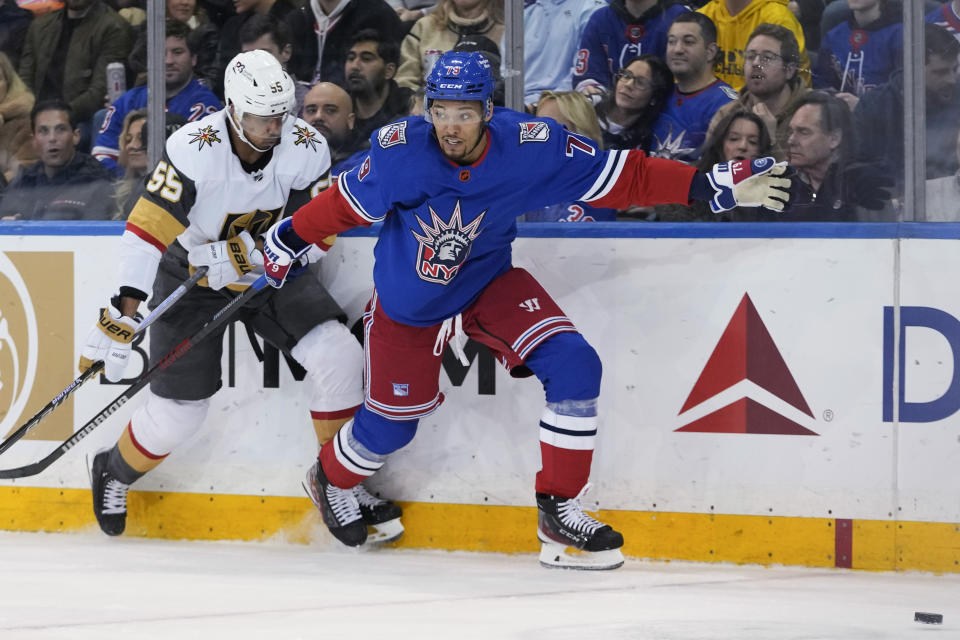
x: 448, y: 188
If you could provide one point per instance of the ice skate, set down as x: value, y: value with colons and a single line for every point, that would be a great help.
x: 109, y: 496
x: 339, y: 507
x: 571, y: 539
x: 382, y: 517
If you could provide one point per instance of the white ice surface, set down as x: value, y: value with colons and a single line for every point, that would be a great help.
x: 81, y: 586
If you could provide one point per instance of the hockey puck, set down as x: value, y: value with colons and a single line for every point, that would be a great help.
x: 928, y: 618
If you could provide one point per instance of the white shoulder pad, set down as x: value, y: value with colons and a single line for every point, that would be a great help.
x: 200, y: 147
x: 306, y: 150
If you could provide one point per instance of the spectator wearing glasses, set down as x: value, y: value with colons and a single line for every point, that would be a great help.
x: 617, y: 33
x: 771, y: 83
x: 736, y: 20
x: 698, y: 94
x: 628, y: 111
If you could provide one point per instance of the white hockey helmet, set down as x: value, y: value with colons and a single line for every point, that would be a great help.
x: 255, y: 83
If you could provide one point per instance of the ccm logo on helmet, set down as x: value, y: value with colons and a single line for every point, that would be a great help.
x: 449, y: 86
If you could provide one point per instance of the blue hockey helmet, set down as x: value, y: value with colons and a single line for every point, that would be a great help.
x: 460, y: 75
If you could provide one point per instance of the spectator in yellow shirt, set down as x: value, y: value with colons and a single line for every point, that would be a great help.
x: 736, y: 20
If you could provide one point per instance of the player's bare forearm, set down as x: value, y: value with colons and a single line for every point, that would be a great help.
x: 324, y: 216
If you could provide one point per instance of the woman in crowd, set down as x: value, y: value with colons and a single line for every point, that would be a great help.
x: 738, y: 136
x: 16, y: 101
x: 133, y: 159
x: 639, y: 92
x: 433, y: 34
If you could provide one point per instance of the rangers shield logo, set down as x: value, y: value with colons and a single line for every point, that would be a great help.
x: 392, y: 134
x: 534, y: 132
x: 444, y: 247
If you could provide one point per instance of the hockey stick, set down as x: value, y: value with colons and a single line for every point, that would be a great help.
x: 97, y: 366
x: 216, y: 321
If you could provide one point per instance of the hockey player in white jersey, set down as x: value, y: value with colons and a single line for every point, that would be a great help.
x: 222, y: 181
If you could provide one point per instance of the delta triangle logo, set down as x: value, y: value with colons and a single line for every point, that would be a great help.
x: 747, y: 358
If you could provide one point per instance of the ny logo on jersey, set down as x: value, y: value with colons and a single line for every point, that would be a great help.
x: 444, y: 247
x: 530, y: 305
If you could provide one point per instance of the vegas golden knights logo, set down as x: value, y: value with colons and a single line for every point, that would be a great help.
x: 37, y: 358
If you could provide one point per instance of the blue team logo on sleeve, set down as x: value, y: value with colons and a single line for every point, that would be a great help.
x: 444, y: 247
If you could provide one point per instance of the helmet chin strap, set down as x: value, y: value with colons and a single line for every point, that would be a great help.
x: 238, y: 129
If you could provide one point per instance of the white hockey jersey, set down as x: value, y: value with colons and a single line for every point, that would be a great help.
x: 200, y: 192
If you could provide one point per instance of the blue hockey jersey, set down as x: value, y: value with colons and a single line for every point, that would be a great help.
x: 681, y: 129
x: 613, y: 36
x: 447, y: 228
x: 193, y: 102
x: 855, y: 59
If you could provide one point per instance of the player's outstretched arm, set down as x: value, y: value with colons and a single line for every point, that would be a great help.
x: 761, y: 182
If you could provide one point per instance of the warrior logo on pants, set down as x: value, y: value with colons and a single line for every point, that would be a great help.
x: 445, y: 246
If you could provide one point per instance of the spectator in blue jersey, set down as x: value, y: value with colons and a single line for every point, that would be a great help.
x: 772, y: 86
x: 619, y: 32
x: 739, y: 135
x: 628, y: 111
x: 574, y: 111
x: 552, y: 32
x: 861, y: 52
x: 948, y: 17
x: 371, y: 66
x: 65, y: 184
x: 878, y: 118
x: 698, y: 94
x: 265, y: 32
x: 185, y: 96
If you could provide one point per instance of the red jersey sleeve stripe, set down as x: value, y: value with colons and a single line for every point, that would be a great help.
x: 607, y: 178
x: 146, y: 237
x: 643, y: 181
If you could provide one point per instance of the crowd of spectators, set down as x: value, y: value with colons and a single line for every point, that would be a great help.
x: 816, y: 83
